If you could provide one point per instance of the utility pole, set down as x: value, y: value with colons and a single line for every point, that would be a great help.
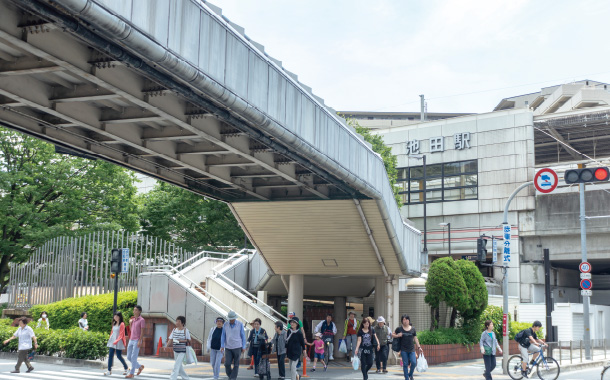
x: 583, y: 247
x: 548, y: 299
x: 422, y: 115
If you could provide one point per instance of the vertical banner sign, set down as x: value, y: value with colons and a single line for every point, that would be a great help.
x: 125, y: 260
x: 504, y: 324
x: 494, y: 249
x: 506, y: 233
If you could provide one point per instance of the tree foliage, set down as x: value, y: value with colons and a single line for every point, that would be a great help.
x: 389, y: 160
x: 190, y: 220
x: 44, y: 195
x: 477, y: 291
x: 445, y: 283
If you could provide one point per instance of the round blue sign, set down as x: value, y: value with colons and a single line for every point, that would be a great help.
x: 586, y: 284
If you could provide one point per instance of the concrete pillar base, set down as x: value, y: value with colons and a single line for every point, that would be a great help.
x: 339, y: 317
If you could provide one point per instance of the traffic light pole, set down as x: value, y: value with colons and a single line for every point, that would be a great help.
x: 505, y: 330
x: 116, y: 292
x: 583, y: 247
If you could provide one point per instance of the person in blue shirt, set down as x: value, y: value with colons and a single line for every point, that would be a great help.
x: 233, y: 344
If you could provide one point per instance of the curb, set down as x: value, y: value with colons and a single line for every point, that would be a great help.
x: 59, y: 361
x: 579, y: 366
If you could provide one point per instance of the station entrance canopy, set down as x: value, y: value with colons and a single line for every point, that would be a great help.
x: 178, y: 92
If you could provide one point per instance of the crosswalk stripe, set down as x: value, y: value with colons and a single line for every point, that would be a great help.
x: 31, y: 376
x: 15, y: 377
x: 84, y: 375
x: 144, y: 376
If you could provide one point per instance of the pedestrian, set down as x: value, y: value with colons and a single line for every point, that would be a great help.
x: 366, y: 345
x: 408, y: 343
x: 350, y: 332
x: 135, y: 341
x: 384, y: 335
x: 290, y: 316
x: 233, y: 344
x: 214, y: 338
x: 318, y: 351
x: 116, y: 343
x: 43, y: 321
x: 179, y: 339
x: 279, y: 347
x: 295, y: 346
x: 489, y: 345
x: 328, y: 329
x: 25, y: 334
x: 82, y: 322
x: 257, y: 337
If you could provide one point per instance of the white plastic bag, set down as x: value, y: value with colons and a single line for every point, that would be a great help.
x: 190, y: 357
x: 343, y: 346
x: 355, y: 362
x: 422, y: 363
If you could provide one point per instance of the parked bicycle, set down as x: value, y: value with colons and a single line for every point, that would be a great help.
x: 547, y: 368
x: 606, y: 372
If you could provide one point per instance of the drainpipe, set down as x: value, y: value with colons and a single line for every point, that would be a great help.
x: 370, y: 234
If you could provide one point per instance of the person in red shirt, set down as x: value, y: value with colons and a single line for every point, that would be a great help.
x: 351, y: 334
x: 135, y: 342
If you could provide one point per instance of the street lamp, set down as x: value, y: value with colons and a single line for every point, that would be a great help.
x: 448, y: 225
x: 423, y: 157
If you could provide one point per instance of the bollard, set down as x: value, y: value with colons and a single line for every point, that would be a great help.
x: 159, y: 346
x: 305, y: 363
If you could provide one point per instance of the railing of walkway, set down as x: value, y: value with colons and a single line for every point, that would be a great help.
x: 78, y: 266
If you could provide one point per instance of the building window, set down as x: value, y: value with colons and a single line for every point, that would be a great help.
x: 451, y: 181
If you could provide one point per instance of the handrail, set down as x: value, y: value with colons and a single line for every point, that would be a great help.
x: 236, y: 286
x: 233, y: 255
x: 211, y: 296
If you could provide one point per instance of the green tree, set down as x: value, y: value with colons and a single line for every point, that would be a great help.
x: 44, y: 195
x: 477, y: 291
x: 378, y: 145
x: 445, y: 283
x: 190, y: 220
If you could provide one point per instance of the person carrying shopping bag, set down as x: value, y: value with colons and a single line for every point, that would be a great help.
x: 257, y: 337
x: 366, y: 345
x: 179, y: 339
x: 25, y: 334
x: 214, y: 343
x: 116, y: 343
x: 489, y: 345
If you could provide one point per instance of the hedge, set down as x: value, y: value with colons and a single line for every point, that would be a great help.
x: 443, y: 335
x: 74, y: 343
x: 65, y: 314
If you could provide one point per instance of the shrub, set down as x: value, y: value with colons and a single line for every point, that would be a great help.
x: 6, y: 322
x: 65, y: 314
x: 515, y: 327
x: 494, y: 314
x: 445, y: 283
x: 443, y: 335
x: 74, y: 343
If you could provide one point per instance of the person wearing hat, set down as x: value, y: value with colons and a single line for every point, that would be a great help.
x: 295, y: 346
x: 290, y: 316
x: 233, y: 343
x: 384, y: 335
x: 351, y: 334
x: 214, y: 343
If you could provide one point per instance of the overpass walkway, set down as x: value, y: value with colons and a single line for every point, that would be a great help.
x: 175, y: 90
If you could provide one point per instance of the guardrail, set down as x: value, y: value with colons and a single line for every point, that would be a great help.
x: 573, y: 351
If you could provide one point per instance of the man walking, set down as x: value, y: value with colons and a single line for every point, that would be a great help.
x: 233, y: 344
x: 351, y: 334
x: 135, y: 342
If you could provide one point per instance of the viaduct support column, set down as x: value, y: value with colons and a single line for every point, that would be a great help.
x: 380, y: 298
x: 339, y: 317
x: 295, y: 295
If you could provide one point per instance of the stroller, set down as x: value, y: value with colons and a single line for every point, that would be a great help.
x: 264, y: 368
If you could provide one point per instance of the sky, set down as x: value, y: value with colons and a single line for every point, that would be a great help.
x: 463, y: 55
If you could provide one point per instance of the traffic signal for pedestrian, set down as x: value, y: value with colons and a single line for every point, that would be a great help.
x: 115, y: 261
x: 587, y: 175
x: 481, y: 249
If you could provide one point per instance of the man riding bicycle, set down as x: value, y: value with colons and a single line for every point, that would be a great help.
x: 328, y: 329
x: 529, y: 343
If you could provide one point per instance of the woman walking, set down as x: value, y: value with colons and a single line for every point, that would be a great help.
x: 179, y: 339
x: 214, y: 343
x: 295, y: 346
x: 367, y: 344
x: 384, y: 335
x: 408, y: 343
x: 258, y: 335
x: 117, y: 343
x: 489, y: 345
x: 82, y: 322
x: 279, y: 347
x: 25, y: 334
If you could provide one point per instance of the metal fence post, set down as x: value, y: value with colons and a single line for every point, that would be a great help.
x: 571, y: 347
x: 560, y: 354
x: 580, y: 348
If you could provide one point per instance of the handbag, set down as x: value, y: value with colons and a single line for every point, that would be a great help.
x: 396, y: 345
x: 190, y: 357
x: 488, y: 350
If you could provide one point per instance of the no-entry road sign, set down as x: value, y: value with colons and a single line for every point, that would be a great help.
x: 546, y: 180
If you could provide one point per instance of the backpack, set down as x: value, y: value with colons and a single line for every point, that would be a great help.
x: 519, y: 337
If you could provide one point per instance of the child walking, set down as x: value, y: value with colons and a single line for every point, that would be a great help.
x: 318, y: 351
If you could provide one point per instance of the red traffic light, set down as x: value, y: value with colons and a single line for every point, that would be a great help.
x: 587, y: 175
x: 601, y: 174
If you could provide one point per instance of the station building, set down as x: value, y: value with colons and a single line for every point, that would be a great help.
x: 475, y: 162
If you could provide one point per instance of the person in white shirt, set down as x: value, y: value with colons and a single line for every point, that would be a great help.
x: 82, y: 322
x: 43, y: 321
x: 25, y: 335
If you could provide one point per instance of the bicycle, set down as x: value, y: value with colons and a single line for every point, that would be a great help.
x: 327, y: 341
x: 606, y: 373
x: 547, y: 368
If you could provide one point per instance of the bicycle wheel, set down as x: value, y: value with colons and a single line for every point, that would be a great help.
x: 606, y: 374
x: 326, y: 353
x: 548, y: 369
x: 514, y: 367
